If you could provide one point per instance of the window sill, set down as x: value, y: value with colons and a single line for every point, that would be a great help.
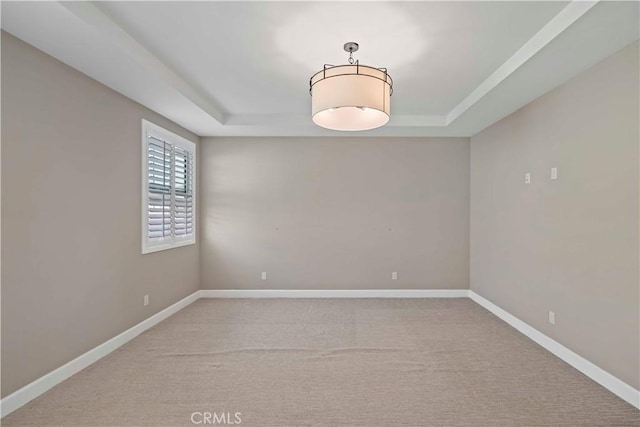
x: 164, y: 247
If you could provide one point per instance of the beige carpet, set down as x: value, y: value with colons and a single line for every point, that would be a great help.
x: 335, y: 362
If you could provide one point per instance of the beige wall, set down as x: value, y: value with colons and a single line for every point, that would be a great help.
x: 73, y: 275
x: 571, y: 245
x: 335, y: 213
x: 319, y: 213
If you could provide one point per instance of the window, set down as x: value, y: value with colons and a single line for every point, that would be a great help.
x: 168, y: 189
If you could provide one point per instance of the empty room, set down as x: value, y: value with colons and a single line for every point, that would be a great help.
x: 330, y: 213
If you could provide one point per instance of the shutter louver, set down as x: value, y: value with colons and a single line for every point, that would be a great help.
x: 183, y: 202
x: 159, y: 188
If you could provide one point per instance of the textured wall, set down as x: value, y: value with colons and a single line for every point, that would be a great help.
x: 335, y: 213
x: 72, y: 271
x: 571, y: 245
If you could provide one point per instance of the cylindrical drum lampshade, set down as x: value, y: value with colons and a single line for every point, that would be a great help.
x: 351, y: 97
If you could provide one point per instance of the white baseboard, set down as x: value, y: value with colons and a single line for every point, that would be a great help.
x: 53, y: 378
x: 36, y: 388
x: 32, y: 390
x: 320, y: 293
x: 599, y: 375
x: 46, y: 382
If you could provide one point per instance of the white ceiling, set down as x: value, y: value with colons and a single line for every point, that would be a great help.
x: 243, y: 68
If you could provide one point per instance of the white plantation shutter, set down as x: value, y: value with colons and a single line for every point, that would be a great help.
x: 183, y: 173
x: 159, y: 188
x: 168, y: 189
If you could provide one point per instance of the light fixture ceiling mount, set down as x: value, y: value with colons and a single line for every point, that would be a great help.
x: 351, y: 47
x: 351, y: 97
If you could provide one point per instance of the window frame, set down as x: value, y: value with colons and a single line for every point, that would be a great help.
x: 151, y: 129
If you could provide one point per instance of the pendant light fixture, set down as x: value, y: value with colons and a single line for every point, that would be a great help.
x: 351, y: 97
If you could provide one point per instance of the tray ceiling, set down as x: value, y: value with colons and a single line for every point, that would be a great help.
x: 242, y: 68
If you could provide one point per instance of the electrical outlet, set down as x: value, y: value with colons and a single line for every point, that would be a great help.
x: 554, y: 173
x: 394, y: 275
x: 146, y: 300
x: 527, y: 178
x: 552, y: 318
x: 264, y: 275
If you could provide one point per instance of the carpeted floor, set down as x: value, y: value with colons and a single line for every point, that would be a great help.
x: 334, y: 362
